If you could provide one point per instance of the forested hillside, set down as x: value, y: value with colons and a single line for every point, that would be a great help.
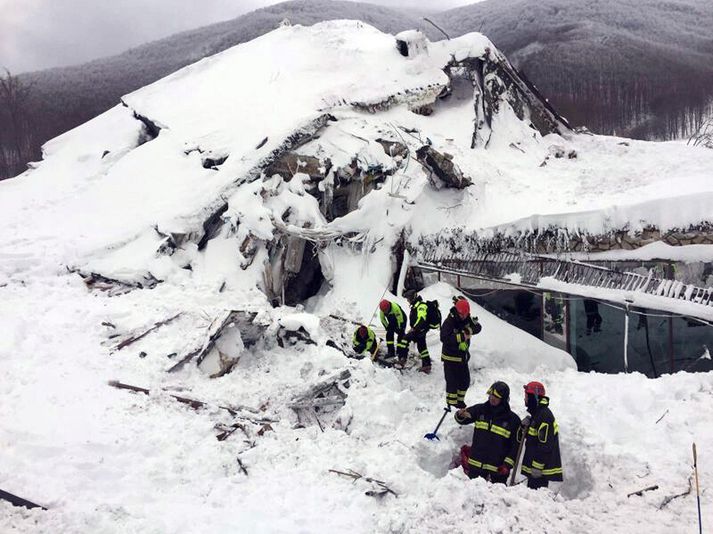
x: 640, y: 68
x: 62, y: 98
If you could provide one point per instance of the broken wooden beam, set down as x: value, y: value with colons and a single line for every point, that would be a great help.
x: 227, y: 431
x: 19, y: 501
x: 324, y: 386
x: 317, y: 403
x: 670, y: 498
x: 641, y: 491
x: 197, y: 404
x: 155, y: 327
x: 381, y: 489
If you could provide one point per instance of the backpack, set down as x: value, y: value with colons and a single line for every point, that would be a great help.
x: 433, y: 316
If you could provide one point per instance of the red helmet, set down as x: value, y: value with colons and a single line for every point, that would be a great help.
x: 363, y: 332
x: 384, y: 305
x: 535, y: 388
x: 463, y: 307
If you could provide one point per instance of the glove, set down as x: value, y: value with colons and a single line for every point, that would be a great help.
x: 504, y: 470
x: 535, y: 473
x: 526, y: 421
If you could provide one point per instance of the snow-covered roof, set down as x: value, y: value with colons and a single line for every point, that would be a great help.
x: 108, y: 198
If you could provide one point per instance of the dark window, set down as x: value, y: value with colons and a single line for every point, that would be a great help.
x: 596, y: 336
x: 520, y: 308
x: 648, y: 342
x: 692, y: 342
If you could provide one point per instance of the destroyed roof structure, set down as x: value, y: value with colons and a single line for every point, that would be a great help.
x: 181, y: 279
x: 277, y: 175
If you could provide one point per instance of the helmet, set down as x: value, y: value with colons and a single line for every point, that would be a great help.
x: 384, y: 305
x: 535, y: 388
x: 463, y: 307
x: 500, y: 390
x: 363, y: 332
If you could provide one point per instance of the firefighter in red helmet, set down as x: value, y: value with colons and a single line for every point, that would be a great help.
x: 394, y: 319
x: 495, y: 430
x: 456, y: 333
x: 541, y: 463
x: 364, y: 340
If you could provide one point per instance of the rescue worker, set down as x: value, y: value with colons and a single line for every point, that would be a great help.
x: 364, y: 340
x: 394, y: 320
x: 418, y: 318
x: 541, y: 462
x: 495, y: 443
x: 456, y: 332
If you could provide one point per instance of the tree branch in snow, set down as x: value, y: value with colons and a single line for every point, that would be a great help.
x: 659, y: 419
x: 703, y: 136
x: 381, y: 488
x: 437, y: 27
x: 197, y: 404
x: 112, y: 286
x: 668, y: 499
x: 641, y: 491
x: 242, y: 466
x: 227, y: 430
x: 156, y: 326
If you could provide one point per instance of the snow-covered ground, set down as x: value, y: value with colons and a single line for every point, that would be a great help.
x: 105, y: 460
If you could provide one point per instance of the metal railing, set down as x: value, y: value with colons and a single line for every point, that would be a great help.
x: 525, y: 269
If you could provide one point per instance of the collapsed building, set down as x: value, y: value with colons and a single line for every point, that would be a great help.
x: 282, y: 186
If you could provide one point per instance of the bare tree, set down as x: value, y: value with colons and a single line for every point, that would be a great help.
x: 16, y: 135
x: 704, y: 135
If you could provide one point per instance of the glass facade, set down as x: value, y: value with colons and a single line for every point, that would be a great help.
x: 592, y: 331
x: 596, y: 335
x: 649, y: 334
x: 691, y: 345
x: 518, y: 307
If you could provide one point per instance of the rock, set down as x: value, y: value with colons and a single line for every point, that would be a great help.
x: 290, y: 163
x: 442, y: 166
x: 393, y: 148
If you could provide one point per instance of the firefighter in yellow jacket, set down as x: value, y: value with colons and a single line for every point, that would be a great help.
x: 393, y: 318
x: 541, y: 463
x: 495, y: 432
x: 364, y: 340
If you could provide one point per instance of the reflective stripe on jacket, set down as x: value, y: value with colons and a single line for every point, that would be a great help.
x: 394, y: 319
x: 453, y: 337
x: 542, y: 446
x: 360, y: 345
x: 494, y: 436
x: 418, y: 316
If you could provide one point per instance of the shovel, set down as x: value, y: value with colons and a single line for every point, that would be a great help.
x: 433, y: 435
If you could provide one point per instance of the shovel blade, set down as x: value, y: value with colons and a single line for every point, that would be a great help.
x: 432, y: 436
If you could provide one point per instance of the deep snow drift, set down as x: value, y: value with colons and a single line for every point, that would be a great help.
x: 104, y: 460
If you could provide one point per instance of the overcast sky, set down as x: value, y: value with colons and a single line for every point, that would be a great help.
x: 38, y: 34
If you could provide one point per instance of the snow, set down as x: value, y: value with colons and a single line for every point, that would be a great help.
x: 652, y: 251
x: 105, y: 460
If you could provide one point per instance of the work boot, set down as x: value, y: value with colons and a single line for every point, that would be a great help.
x: 461, y: 404
x: 425, y: 369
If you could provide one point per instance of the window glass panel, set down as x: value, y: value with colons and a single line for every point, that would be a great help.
x: 554, y: 320
x: 596, y: 336
x: 692, y: 345
x: 520, y: 308
x: 648, y: 342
